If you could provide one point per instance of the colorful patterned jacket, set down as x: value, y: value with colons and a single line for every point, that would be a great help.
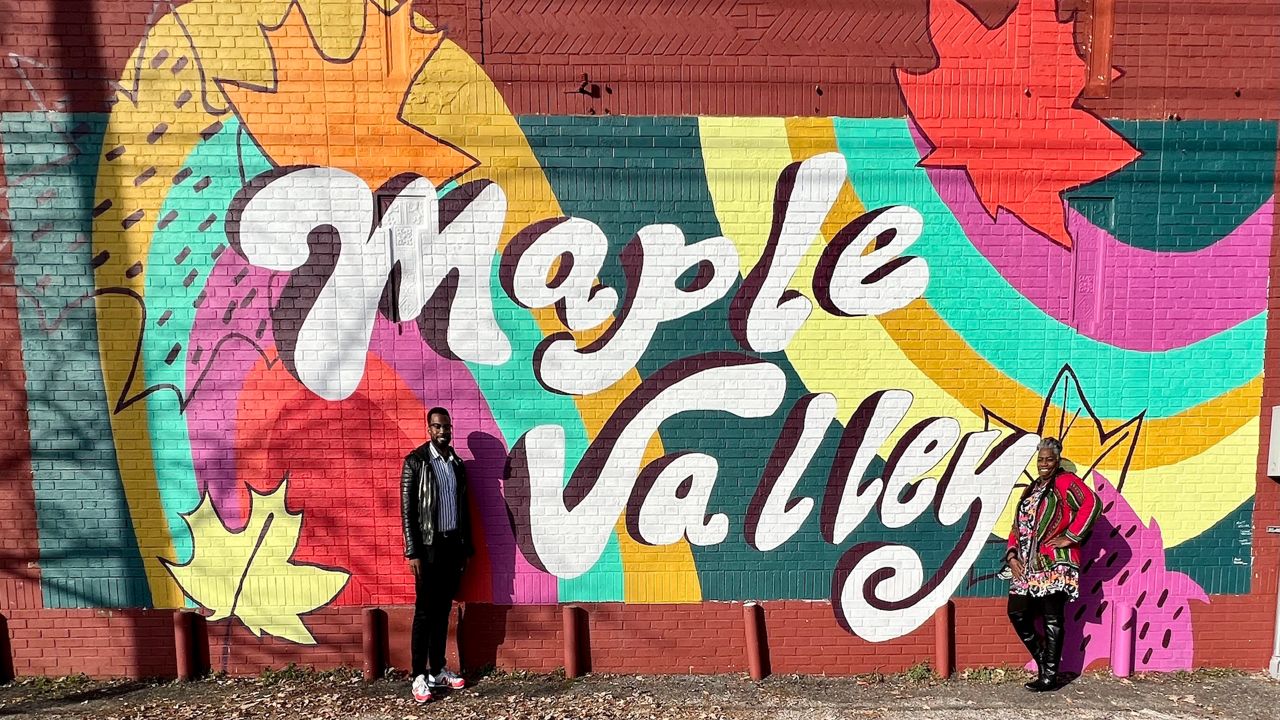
x: 1068, y: 509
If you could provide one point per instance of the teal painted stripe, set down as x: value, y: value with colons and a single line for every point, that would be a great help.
x: 89, y: 556
x: 1195, y: 182
x: 1007, y: 329
x: 518, y: 403
x: 1220, y: 559
x: 508, y: 389
x: 199, y: 201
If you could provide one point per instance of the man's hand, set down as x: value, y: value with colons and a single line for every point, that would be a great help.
x: 415, y: 566
x: 1060, y: 542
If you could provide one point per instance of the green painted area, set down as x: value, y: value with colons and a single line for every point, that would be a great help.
x: 623, y: 174
x: 177, y: 268
x: 1195, y: 182
x: 88, y: 553
x: 1219, y: 559
x: 1010, y: 332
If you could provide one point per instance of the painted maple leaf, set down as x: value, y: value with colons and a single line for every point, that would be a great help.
x: 1086, y: 439
x: 249, y: 575
x: 1002, y: 106
x: 347, y: 112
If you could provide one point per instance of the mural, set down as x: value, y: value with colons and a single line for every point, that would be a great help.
x: 705, y: 358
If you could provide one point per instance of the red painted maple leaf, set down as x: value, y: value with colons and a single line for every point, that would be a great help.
x: 1002, y: 105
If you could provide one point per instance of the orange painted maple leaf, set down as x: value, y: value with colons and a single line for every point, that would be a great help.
x: 1002, y: 105
x: 346, y: 113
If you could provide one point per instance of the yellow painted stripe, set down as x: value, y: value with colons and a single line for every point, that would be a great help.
x: 928, y: 342
x: 742, y: 158
x: 120, y: 317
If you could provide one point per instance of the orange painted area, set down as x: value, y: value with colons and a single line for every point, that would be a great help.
x: 347, y: 113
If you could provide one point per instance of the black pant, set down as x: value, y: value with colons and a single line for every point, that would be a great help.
x: 437, y: 584
x: 1024, y: 610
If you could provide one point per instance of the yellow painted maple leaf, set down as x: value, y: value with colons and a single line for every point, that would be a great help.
x: 249, y: 574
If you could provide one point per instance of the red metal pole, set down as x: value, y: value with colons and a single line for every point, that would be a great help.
x: 183, y: 645
x: 572, y: 641
x: 752, y: 621
x: 944, y: 636
x: 1122, y: 643
x: 371, y: 637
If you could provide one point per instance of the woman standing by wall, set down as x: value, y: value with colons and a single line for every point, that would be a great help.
x: 1053, y: 517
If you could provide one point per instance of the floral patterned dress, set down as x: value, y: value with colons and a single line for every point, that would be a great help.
x: 1040, y: 577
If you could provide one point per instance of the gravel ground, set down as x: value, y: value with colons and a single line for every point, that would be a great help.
x: 985, y: 694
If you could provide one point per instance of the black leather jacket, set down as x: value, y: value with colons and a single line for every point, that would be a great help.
x: 416, y: 479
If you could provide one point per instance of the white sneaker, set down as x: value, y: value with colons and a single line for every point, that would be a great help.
x: 421, y: 689
x: 446, y: 678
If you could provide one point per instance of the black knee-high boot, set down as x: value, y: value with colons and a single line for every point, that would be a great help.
x: 1024, y: 624
x: 1051, y: 656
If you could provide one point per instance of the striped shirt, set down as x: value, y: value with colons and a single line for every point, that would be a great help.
x: 447, y: 491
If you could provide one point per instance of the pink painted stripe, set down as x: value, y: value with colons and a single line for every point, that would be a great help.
x: 1124, y: 296
x: 211, y: 411
x: 437, y: 381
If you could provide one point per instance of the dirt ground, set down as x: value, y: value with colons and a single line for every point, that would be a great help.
x: 986, y: 694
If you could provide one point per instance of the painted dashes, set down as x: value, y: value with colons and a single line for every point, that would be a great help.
x: 210, y: 131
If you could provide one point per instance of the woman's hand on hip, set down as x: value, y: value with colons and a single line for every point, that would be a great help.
x: 1062, y: 541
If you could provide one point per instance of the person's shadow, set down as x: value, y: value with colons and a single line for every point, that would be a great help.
x: 482, y: 627
x: 1105, y: 554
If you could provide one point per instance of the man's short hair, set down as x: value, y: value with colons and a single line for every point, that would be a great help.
x: 437, y: 411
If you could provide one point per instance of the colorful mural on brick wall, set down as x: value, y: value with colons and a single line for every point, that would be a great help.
x: 689, y: 358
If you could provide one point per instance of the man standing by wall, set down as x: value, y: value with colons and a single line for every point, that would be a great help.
x: 437, y: 542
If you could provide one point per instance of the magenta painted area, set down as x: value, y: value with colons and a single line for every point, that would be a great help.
x: 1124, y: 567
x: 437, y: 381
x: 232, y: 329
x: 1124, y: 296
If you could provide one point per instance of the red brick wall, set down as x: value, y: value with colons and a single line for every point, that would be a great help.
x: 675, y: 57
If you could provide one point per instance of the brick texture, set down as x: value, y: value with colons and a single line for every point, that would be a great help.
x: 236, y: 269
